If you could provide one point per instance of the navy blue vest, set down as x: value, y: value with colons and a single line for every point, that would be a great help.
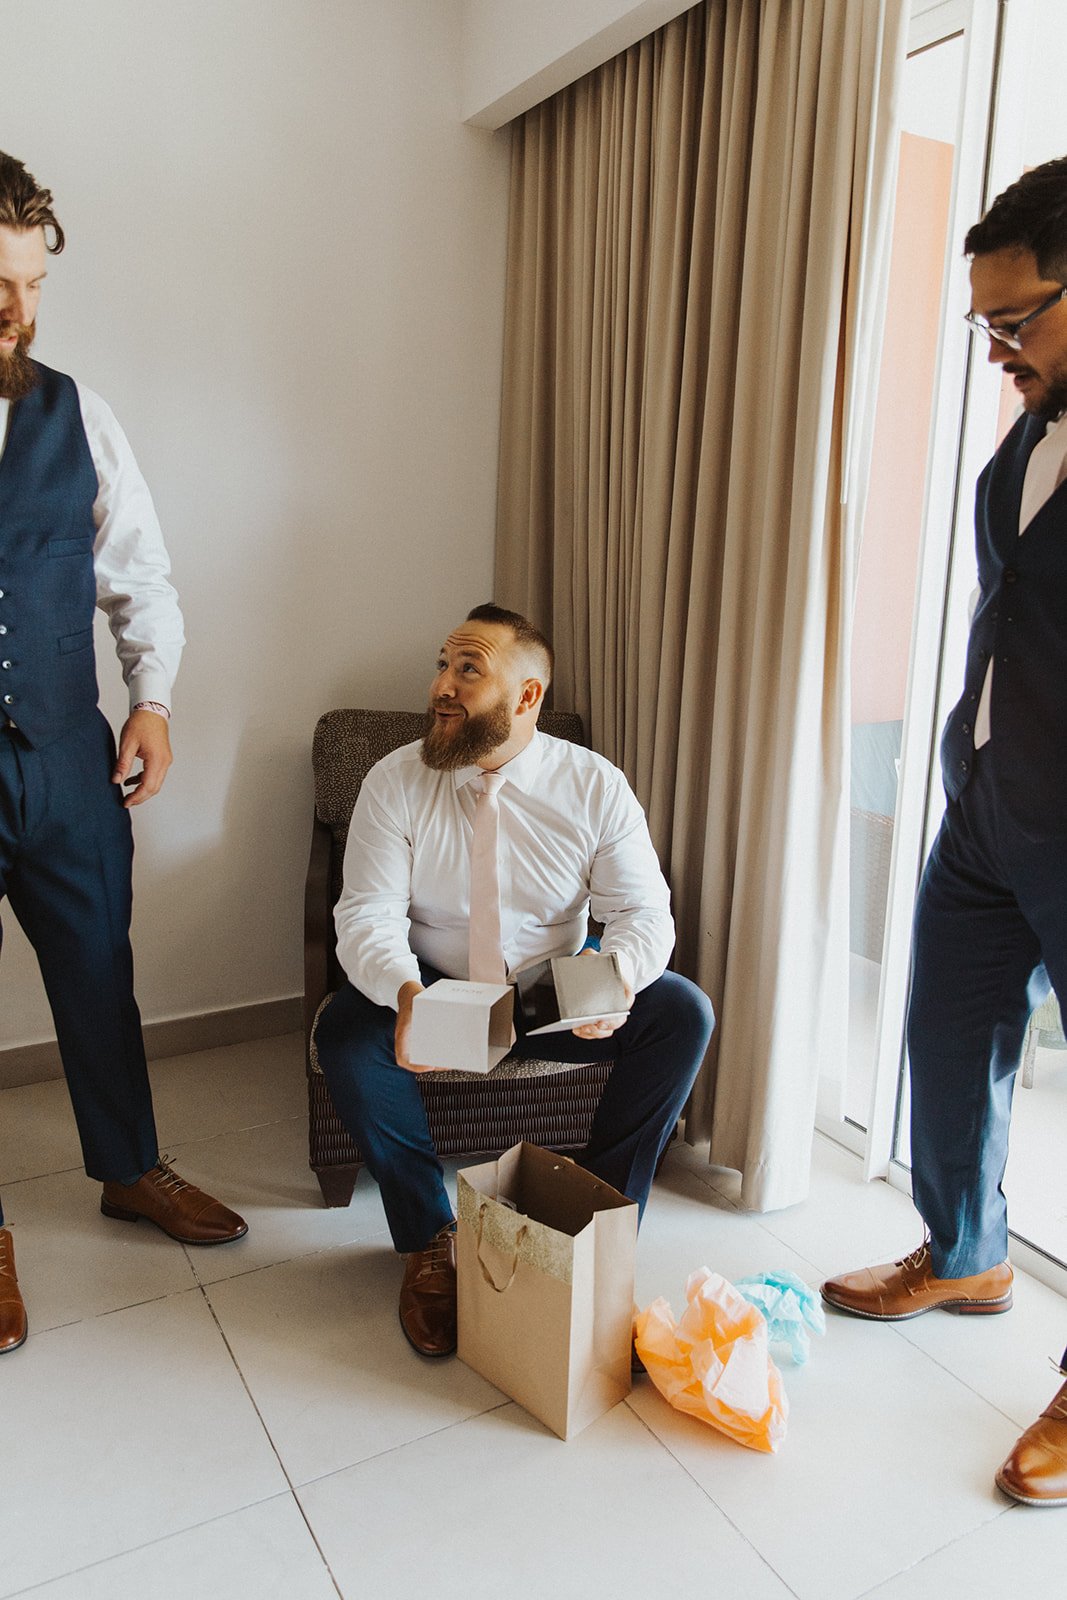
x: 47, y: 585
x: 1021, y: 621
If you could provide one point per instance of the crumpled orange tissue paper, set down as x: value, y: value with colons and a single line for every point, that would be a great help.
x: 714, y: 1363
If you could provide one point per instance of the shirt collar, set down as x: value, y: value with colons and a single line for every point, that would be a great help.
x: 521, y: 770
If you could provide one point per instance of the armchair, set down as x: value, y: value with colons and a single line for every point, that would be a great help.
x: 468, y: 1114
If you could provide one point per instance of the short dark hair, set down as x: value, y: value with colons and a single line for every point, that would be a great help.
x: 24, y: 204
x: 1031, y: 215
x: 524, y: 631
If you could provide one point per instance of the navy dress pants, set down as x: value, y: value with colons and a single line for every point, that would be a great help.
x: 657, y: 1054
x: 66, y: 854
x: 990, y: 933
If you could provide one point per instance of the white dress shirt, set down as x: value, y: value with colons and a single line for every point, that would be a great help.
x: 129, y: 558
x: 573, y: 838
x: 1045, y: 471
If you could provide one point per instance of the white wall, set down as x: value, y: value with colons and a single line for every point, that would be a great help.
x: 285, y: 272
x: 1044, y: 122
x: 518, y: 52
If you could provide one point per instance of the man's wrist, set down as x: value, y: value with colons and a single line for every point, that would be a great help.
x: 153, y: 705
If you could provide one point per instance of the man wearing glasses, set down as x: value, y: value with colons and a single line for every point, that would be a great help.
x: 990, y: 928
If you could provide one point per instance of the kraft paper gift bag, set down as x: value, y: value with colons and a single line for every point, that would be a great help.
x: 545, y: 1261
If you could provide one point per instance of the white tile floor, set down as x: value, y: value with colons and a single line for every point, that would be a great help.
x: 247, y: 1423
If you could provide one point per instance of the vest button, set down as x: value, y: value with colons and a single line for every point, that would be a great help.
x: 963, y: 764
x: 6, y: 665
x: 2, y: 628
x: 966, y: 725
x: 1, y: 594
x: 9, y: 699
x: 1010, y: 575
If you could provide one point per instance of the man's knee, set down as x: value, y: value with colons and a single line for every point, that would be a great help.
x: 686, y: 1009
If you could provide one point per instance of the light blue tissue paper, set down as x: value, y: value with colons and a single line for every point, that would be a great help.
x: 790, y: 1306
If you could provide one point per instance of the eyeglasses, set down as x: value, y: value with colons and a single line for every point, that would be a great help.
x: 1008, y: 332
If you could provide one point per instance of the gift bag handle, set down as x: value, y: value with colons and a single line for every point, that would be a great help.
x: 500, y: 1288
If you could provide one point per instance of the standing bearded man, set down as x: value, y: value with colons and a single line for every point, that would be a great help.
x: 991, y: 919
x: 78, y: 530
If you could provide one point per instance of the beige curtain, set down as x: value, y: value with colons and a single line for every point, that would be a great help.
x: 692, y: 326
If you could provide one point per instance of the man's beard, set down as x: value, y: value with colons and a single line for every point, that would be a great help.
x: 476, y: 736
x: 18, y: 375
x: 1054, y: 403
x: 1051, y: 401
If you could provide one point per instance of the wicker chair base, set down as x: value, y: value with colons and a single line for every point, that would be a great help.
x: 476, y: 1117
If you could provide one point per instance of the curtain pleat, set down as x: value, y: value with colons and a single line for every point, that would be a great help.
x: 692, y: 322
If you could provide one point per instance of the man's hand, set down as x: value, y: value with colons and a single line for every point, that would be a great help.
x: 603, y: 1029
x: 405, y: 996
x: 145, y: 734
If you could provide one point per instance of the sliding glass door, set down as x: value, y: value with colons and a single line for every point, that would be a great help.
x: 983, y: 100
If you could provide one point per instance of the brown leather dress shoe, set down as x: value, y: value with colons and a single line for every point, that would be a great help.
x: 428, y: 1295
x: 179, y: 1208
x: 13, y: 1326
x: 907, y: 1288
x: 1036, y: 1471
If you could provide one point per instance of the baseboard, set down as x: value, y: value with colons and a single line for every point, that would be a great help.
x: 178, y: 1036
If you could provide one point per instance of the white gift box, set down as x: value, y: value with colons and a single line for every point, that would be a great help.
x: 463, y: 1026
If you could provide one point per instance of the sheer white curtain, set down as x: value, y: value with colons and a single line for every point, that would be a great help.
x: 694, y: 290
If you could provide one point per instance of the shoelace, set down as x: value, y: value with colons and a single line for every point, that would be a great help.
x: 917, y: 1258
x: 436, y: 1254
x: 1058, y: 1407
x: 164, y: 1177
x: 7, y: 1257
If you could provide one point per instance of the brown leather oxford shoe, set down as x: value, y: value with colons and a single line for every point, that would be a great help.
x: 428, y: 1295
x: 907, y: 1288
x: 13, y: 1325
x: 183, y: 1211
x: 1036, y: 1471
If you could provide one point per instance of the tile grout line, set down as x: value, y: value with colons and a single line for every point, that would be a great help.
x: 283, y: 1261
x: 295, y: 1489
x: 404, y: 1444
x: 967, y: 1533
x: 711, y: 1499
x: 950, y: 1372
x: 263, y: 1424
x: 149, y: 1544
x: 175, y: 1144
